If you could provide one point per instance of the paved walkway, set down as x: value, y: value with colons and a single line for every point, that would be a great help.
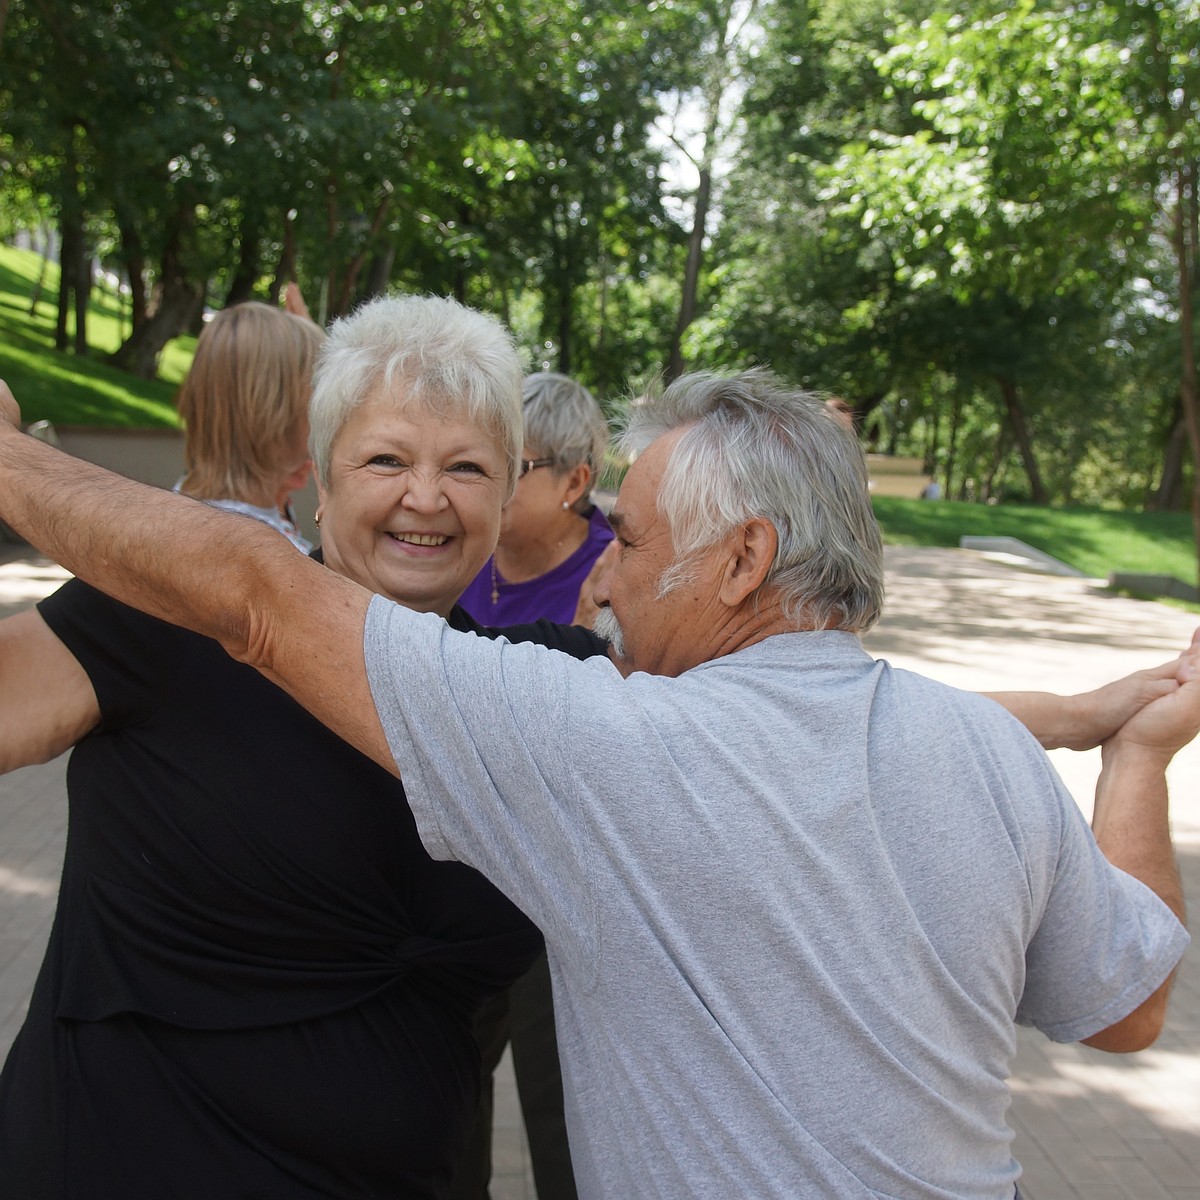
x: 1089, y: 1125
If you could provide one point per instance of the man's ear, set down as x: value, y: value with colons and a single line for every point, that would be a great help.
x: 752, y: 549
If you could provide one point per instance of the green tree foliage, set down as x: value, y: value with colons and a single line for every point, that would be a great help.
x: 958, y: 210
x: 975, y: 221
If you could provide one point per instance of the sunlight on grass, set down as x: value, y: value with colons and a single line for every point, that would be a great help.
x: 1094, y: 541
x: 67, y: 389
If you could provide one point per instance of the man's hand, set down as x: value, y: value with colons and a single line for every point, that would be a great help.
x: 1089, y: 719
x: 1168, y: 722
x: 1102, y: 712
x: 10, y: 412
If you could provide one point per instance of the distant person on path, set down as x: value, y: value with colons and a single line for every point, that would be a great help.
x: 551, y: 535
x: 794, y: 900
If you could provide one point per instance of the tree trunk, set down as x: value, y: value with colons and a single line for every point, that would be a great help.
x: 134, y: 256
x: 179, y: 299
x: 285, y: 271
x: 379, y: 273
x: 83, y: 291
x: 1019, y: 427
x: 691, y: 274
x: 39, y: 283
x: 601, y: 354
x: 74, y: 282
x: 561, y: 292
x: 1185, y: 198
x: 66, y: 250
x: 988, y: 487
x: 564, y: 331
x: 1168, y: 496
x: 245, y: 276
x: 952, y: 444
x: 345, y: 293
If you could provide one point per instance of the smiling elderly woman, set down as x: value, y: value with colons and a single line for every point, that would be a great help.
x: 258, y: 982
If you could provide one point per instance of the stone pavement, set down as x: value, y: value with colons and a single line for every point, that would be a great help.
x: 1088, y: 1125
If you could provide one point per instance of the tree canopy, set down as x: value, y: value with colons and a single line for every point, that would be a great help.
x: 976, y: 222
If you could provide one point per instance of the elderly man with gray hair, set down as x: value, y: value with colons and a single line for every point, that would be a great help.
x: 795, y: 900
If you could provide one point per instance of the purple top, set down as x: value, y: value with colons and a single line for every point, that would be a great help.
x: 553, y: 595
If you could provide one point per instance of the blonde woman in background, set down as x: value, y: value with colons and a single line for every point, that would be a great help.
x: 244, y: 406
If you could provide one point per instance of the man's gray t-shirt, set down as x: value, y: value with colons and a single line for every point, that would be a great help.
x: 793, y: 900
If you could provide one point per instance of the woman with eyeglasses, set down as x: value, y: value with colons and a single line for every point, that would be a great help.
x: 550, y: 533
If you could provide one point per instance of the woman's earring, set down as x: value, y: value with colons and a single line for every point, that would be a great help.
x: 317, y: 519
x: 566, y: 505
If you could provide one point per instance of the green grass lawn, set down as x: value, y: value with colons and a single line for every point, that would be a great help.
x: 1093, y: 541
x: 66, y: 389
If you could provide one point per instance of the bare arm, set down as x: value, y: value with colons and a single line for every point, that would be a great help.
x: 1084, y: 721
x: 47, y: 702
x: 1132, y: 827
x: 232, y: 579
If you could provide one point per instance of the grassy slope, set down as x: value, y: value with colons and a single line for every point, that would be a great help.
x: 1092, y: 540
x: 61, y: 387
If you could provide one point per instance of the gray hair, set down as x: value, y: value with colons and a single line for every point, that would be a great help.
x: 453, y: 360
x: 564, y: 422
x: 753, y: 447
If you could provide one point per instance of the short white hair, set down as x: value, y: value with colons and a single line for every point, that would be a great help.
x: 753, y: 447
x: 452, y: 359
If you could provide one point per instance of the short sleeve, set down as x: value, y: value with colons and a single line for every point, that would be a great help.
x: 476, y: 728
x: 127, y: 655
x: 1104, y: 944
x: 574, y: 640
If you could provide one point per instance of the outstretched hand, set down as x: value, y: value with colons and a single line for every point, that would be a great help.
x: 1100, y: 713
x: 1168, y: 722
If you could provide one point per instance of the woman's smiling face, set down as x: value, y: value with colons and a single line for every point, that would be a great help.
x: 412, y: 508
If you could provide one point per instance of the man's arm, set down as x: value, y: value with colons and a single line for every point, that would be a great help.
x: 224, y: 576
x: 1131, y: 822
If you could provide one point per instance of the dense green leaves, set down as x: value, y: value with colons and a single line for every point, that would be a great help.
x: 976, y: 220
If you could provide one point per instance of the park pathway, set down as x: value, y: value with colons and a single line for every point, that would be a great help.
x: 1089, y: 1126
